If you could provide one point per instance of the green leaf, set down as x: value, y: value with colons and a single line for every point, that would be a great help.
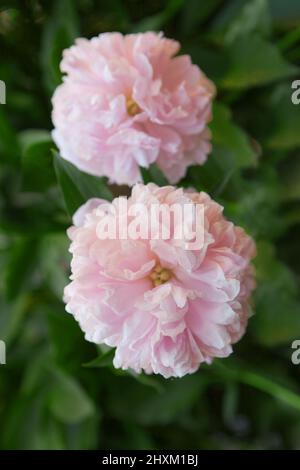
x: 256, y: 206
x: 244, y: 375
x: 37, y: 166
x: 284, y: 120
x: 167, y: 405
x: 154, y: 174
x: 35, y: 373
x: 290, y: 39
x: 148, y: 380
x: 59, y: 33
x: 277, y: 305
x: 12, y: 317
x: 9, y: 146
x: 155, y: 22
x: 213, y: 61
x: 48, y: 435
x: 24, y: 423
x: 20, y: 266
x: 66, y: 338
x: 137, y: 437
x: 84, y: 435
x: 253, y: 61
x: 78, y: 187
x: 104, y: 360
x: 55, y: 262
x: 232, y: 151
x: 68, y: 401
x: 195, y: 13
x: 285, y: 12
x: 291, y: 179
x: 230, y: 403
x: 251, y: 17
x: 232, y: 138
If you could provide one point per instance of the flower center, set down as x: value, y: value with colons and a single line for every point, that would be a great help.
x: 132, y: 107
x: 160, y: 275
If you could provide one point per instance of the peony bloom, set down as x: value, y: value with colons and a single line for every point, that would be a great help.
x: 128, y: 101
x: 166, y: 309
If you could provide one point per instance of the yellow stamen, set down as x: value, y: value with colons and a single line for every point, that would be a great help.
x: 160, y: 275
x: 132, y: 107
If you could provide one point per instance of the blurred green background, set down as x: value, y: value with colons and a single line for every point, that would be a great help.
x: 50, y: 396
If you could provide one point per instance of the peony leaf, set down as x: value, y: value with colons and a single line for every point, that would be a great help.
x: 38, y: 172
x: 9, y: 147
x: 243, y: 374
x: 291, y: 180
x: 78, y: 187
x: 155, y: 22
x: 21, y: 264
x: 243, y: 18
x: 253, y: 61
x: 154, y: 174
x: 12, y: 316
x: 285, y: 12
x: 232, y: 138
x: 275, y: 322
x: 60, y: 32
x: 68, y: 401
x: 284, y: 119
x: 103, y: 360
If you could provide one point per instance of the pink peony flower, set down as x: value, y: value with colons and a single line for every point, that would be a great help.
x: 164, y: 308
x: 128, y: 101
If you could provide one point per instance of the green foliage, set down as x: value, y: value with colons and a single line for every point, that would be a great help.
x: 78, y: 187
x: 21, y: 262
x: 275, y: 322
x: 230, y: 137
x: 254, y: 62
x: 285, y: 118
x: 58, y: 391
x: 60, y: 31
x: 38, y: 172
x: 68, y: 401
